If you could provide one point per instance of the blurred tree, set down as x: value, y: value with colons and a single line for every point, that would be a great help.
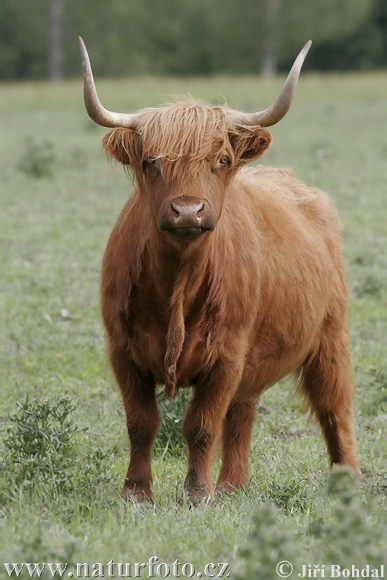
x: 188, y: 37
x: 322, y: 21
x: 363, y: 48
x: 23, y: 39
x: 270, y: 42
x: 380, y: 18
x: 55, y: 23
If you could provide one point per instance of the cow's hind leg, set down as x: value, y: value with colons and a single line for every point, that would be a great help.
x: 328, y: 385
x: 142, y: 417
x: 237, y: 429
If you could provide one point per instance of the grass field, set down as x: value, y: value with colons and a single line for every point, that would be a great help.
x: 64, y: 454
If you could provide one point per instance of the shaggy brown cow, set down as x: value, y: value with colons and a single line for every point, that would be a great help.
x: 220, y: 278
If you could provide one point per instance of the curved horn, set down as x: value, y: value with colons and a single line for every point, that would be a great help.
x: 96, y: 111
x: 281, y: 105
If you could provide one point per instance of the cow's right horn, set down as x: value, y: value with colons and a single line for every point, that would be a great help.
x: 281, y: 105
x: 95, y: 109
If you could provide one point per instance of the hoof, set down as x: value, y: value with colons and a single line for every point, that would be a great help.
x: 136, y: 495
x: 196, y: 499
x: 225, y: 487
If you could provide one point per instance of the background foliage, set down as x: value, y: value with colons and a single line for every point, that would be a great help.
x: 186, y: 37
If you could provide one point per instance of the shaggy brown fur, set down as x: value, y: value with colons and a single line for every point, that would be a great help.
x: 230, y: 313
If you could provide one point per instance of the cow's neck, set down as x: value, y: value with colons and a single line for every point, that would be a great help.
x: 178, y: 274
x: 178, y: 271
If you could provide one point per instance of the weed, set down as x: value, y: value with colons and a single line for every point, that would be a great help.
x: 348, y: 537
x: 345, y: 538
x: 374, y: 402
x: 291, y: 497
x: 41, y: 441
x: 93, y: 472
x: 37, y: 159
x: 370, y: 286
x: 379, y: 384
x: 267, y: 545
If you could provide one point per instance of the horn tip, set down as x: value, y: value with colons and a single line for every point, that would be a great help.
x: 82, y: 45
x: 302, y: 55
x: 308, y: 45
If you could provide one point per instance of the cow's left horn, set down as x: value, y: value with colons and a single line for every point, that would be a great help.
x: 95, y: 109
x: 281, y: 105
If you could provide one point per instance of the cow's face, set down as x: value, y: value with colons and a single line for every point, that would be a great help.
x: 184, y: 157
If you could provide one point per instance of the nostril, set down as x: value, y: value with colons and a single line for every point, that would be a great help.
x: 175, y: 209
x: 200, y: 209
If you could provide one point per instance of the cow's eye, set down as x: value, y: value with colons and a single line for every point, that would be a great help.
x: 225, y: 160
x: 151, y: 164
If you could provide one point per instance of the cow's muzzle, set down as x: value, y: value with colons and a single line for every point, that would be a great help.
x: 186, y: 217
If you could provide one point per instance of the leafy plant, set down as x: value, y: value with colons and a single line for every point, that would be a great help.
x: 348, y: 538
x: 291, y: 496
x: 41, y: 441
x: 379, y: 383
x: 370, y: 286
x: 375, y: 398
x: 267, y: 545
x: 342, y: 537
x: 37, y: 159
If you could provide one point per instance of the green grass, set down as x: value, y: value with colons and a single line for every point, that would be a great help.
x: 53, y: 230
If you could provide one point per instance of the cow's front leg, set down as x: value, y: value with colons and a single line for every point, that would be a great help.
x: 142, y: 418
x: 201, y: 426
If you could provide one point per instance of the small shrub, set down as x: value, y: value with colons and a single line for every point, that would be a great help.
x: 379, y: 384
x: 37, y: 159
x: 41, y: 441
x: 374, y: 400
x: 348, y: 538
x: 94, y: 472
x: 34, y: 547
x: 343, y: 537
x: 370, y: 286
x: 268, y: 544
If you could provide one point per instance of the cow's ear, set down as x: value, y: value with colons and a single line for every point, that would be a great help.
x: 122, y: 145
x: 249, y: 144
